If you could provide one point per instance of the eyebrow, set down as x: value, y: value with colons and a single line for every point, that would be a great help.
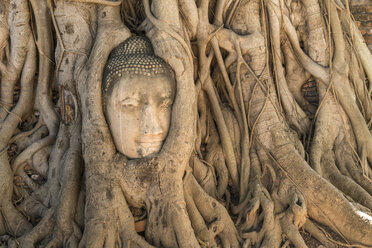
x: 130, y: 98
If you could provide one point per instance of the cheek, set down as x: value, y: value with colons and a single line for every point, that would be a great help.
x: 165, y: 118
x: 130, y: 120
x: 127, y: 122
x: 129, y: 130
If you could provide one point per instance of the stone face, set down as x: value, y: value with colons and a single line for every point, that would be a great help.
x: 362, y: 12
x: 138, y: 112
x: 138, y: 91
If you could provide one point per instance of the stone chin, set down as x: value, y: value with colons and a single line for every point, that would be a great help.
x: 148, y: 148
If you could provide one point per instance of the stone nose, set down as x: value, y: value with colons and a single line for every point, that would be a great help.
x: 150, y: 123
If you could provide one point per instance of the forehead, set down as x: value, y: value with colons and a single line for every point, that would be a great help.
x: 138, y: 84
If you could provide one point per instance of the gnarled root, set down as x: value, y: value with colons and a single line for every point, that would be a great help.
x: 66, y: 231
x: 269, y: 233
x: 40, y: 231
x: 109, y: 222
x: 294, y: 218
x: 169, y: 224
x: 318, y: 193
x: 315, y: 232
x: 208, y: 217
x: 204, y: 174
x: 262, y: 226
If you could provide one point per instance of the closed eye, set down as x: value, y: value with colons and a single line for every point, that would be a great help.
x: 166, y: 103
x: 129, y: 103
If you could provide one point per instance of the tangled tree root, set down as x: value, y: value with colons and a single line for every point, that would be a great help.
x: 269, y: 134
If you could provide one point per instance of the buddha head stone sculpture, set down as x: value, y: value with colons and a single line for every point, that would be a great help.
x: 138, y: 92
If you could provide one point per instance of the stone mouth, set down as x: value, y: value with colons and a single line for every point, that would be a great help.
x: 150, y: 144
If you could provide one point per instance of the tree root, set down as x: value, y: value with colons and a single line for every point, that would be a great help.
x: 256, y: 152
x: 113, y: 3
x: 20, y: 34
x: 168, y: 223
x: 346, y: 184
x: 13, y: 221
x: 208, y: 224
x: 294, y: 218
x: 33, y: 205
x: 207, y: 85
x: 204, y: 173
x: 43, y: 101
x: 58, y: 219
x: 263, y: 227
x: 66, y: 231
x: 296, y: 76
x: 320, y: 209
x: 294, y: 114
x: 29, y: 152
x: 109, y: 220
x: 40, y: 231
x: 315, y: 232
x: 269, y: 235
x: 358, y: 176
x: 214, y: 157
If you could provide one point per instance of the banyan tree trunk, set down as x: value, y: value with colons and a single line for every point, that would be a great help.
x: 270, y: 128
